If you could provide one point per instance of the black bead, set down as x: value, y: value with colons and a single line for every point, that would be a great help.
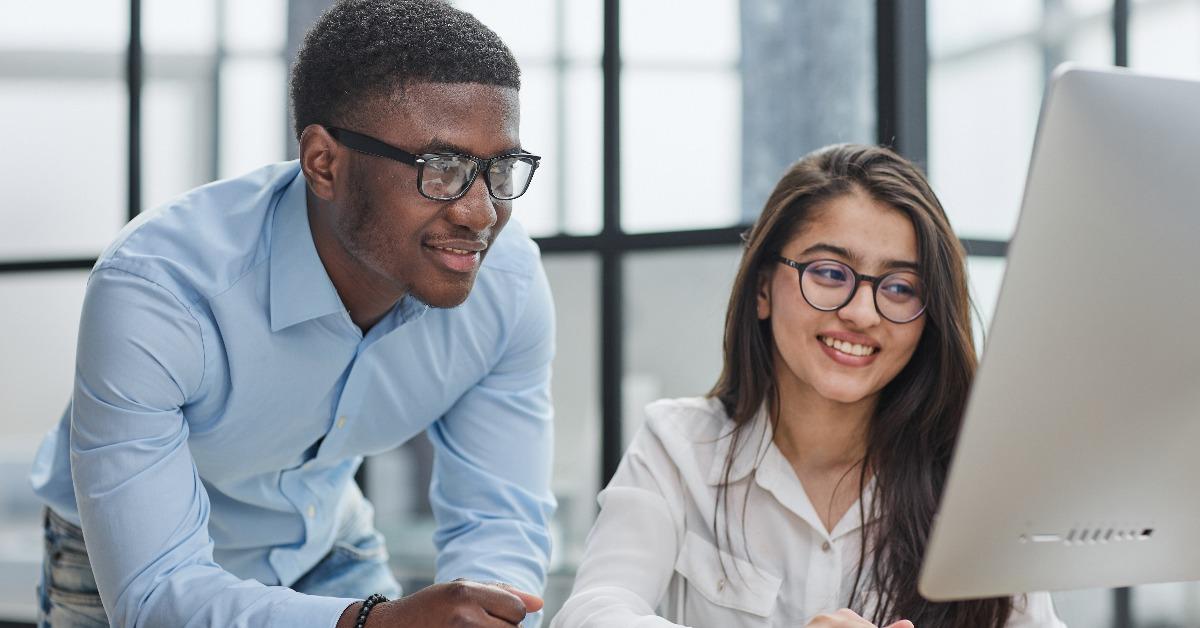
x: 368, y: 604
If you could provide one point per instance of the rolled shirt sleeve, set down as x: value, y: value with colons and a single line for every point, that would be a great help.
x: 143, y: 507
x: 493, y: 457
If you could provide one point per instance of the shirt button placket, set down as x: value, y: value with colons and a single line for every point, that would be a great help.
x: 821, y: 576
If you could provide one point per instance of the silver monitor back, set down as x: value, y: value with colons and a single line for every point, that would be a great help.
x: 1079, y: 457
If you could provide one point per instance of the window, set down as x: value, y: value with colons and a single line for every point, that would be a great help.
x: 60, y: 77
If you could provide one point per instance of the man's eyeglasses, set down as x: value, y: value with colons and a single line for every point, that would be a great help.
x: 830, y: 285
x: 447, y: 176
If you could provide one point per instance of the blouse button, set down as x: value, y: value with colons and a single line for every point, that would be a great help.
x: 825, y: 547
x: 721, y: 584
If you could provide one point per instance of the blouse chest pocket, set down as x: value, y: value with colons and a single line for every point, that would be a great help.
x: 741, y: 594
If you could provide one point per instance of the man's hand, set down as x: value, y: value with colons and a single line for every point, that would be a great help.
x: 847, y: 618
x: 459, y: 603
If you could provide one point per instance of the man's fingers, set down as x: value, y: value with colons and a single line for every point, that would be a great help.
x: 495, y: 601
x: 532, y: 602
x: 496, y: 622
x: 903, y: 623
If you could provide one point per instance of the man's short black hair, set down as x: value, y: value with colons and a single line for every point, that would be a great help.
x: 364, y: 49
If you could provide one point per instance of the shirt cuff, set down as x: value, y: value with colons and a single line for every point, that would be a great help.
x: 309, y: 610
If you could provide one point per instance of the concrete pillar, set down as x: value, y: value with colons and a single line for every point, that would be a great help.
x: 808, y: 79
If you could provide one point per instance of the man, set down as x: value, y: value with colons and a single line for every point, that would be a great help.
x: 242, y: 348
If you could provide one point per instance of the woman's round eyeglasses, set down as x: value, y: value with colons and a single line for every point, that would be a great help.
x: 829, y: 285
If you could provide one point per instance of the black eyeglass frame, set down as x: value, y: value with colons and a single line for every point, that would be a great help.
x: 875, y: 281
x: 371, y: 146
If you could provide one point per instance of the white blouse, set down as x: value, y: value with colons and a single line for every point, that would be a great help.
x: 652, y: 560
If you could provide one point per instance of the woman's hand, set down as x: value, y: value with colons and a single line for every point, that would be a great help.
x: 847, y: 618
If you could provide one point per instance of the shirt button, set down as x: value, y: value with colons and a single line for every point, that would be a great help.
x: 312, y: 511
x: 341, y: 422
x: 825, y: 547
x: 721, y: 584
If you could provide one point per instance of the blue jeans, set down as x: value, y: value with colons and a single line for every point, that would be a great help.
x: 357, y: 566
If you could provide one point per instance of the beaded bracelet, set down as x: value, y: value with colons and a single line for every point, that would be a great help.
x: 368, y: 604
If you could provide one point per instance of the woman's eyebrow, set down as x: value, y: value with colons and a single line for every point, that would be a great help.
x: 845, y: 253
x: 895, y: 263
x: 822, y: 247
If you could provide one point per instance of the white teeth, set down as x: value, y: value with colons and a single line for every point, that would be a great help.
x: 848, y: 347
x: 453, y: 250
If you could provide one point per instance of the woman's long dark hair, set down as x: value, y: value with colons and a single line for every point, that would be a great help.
x: 912, y: 433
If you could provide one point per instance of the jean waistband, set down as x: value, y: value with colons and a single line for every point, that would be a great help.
x: 57, y: 524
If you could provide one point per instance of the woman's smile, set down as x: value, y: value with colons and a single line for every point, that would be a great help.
x: 847, y: 351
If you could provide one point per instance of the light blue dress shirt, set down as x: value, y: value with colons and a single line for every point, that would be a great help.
x: 224, y: 399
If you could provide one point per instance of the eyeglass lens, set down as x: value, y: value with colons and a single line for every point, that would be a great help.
x: 447, y: 176
x: 828, y: 285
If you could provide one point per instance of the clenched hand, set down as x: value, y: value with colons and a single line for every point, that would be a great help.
x: 459, y: 603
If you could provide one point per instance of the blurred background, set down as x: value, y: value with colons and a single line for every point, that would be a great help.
x: 663, y: 126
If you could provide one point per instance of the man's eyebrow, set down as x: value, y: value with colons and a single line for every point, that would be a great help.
x: 844, y: 253
x: 437, y: 145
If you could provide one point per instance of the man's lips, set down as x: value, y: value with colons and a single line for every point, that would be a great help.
x: 452, y: 249
x: 460, y: 256
x: 461, y: 246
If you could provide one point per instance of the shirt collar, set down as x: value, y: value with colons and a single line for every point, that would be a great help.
x: 776, y: 476
x: 753, y: 443
x: 300, y: 287
x: 756, y: 449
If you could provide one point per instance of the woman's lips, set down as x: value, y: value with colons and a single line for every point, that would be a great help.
x: 848, y: 353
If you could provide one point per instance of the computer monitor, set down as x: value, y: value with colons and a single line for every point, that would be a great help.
x: 1078, y: 464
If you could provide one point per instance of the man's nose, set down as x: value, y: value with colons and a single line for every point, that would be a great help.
x: 476, y: 209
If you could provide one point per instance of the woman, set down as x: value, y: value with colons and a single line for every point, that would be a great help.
x: 848, y: 358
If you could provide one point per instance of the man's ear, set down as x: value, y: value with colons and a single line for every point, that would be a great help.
x: 764, y: 296
x: 320, y: 159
